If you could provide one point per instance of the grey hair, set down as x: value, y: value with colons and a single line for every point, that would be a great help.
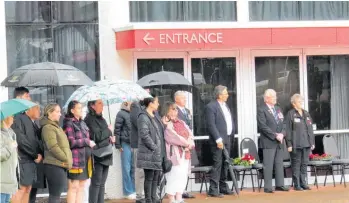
x: 268, y: 93
x: 179, y: 93
x: 296, y: 97
x: 218, y: 90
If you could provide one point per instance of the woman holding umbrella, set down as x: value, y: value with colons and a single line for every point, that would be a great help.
x: 8, y: 146
x: 9, y: 160
x: 102, y: 135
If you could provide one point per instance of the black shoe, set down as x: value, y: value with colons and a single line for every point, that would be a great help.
x: 298, y: 188
x: 140, y: 201
x: 305, y: 187
x: 268, y: 191
x: 219, y: 195
x: 227, y: 192
x: 187, y: 195
x: 282, y: 188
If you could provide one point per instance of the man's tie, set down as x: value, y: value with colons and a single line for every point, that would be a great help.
x: 275, y: 115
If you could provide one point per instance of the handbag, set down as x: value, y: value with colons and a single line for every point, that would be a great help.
x: 166, y: 165
x: 103, y: 151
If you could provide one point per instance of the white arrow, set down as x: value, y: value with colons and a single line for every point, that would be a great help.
x: 146, y: 38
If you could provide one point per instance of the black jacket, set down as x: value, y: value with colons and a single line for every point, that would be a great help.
x: 295, y: 125
x: 136, y: 109
x: 100, y: 134
x: 149, y: 143
x: 216, y: 124
x: 268, y: 127
x: 122, y: 128
x: 29, y: 145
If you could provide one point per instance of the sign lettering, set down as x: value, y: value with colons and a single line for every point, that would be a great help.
x: 185, y: 38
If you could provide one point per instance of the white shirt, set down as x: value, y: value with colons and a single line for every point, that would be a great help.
x: 228, y: 119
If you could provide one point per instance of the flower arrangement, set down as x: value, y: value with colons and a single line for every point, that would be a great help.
x: 246, y: 160
x: 317, y: 157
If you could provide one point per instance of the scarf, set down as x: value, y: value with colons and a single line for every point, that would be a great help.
x: 181, y: 130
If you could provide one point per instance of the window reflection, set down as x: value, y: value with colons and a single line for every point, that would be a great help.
x: 206, y: 74
x: 328, y: 91
x: 280, y: 74
x: 148, y: 66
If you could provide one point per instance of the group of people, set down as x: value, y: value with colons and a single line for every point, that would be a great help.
x: 36, y: 150
x: 150, y: 142
x: 295, y: 130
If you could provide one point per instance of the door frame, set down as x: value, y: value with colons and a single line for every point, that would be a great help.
x: 216, y: 54
x: 275, y: 53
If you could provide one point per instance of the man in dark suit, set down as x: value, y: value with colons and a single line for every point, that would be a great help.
x: 184, y: 115
x: 270, y: 125
x: 220, y: 126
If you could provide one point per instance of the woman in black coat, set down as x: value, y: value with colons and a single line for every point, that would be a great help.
x: 102, y: 135
x: 299, y: 140
x: 150, y: 152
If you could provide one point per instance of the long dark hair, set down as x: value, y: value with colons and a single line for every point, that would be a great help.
x: 71, y: 106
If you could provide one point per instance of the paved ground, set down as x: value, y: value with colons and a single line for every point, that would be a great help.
x: 328, y: 194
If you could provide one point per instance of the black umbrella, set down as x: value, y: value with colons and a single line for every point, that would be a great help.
x: 231, y: 170
x: 46, y: 74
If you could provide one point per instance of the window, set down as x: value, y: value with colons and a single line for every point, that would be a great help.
x: 278, y: 73
x: 207, y: 73
x: 45, y: 31
x: 148, y: 66
x: 328, y: 91
x: 298, y: 10
x: 182, y: 11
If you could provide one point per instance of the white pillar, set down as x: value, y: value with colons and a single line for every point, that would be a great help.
x: 114, y: 66
x: 242, y: 8
x: 3, y: 55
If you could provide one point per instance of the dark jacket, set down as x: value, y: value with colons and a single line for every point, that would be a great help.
x: 122, y: 128
x: 57, y: 149
x: 100, y: 133
x: 136, y: 109
x: 186, y: 118
x: 268, y: 127
x: 79, y: 140
x: 161, y: 132
x: 29, y: 146
x: 299, y: 129
x: 149, y: 143
x: 216, y: 124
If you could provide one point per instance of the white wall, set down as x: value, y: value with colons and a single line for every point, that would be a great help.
x: 114, y: 65
x: 3, y: 56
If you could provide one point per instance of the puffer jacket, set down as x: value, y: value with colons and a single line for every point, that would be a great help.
x: 56, y: 145
x: 149, y: 143
x: 9, y: 161
x: 122, y: 128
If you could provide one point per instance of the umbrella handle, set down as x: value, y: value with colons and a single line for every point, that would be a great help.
x: 109, y: 112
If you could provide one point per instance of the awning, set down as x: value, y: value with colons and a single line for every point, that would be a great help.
x: 229, y: 38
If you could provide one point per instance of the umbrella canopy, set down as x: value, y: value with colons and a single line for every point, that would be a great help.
x: 163, y: 78
x: 46, y: 74
x: 110, y: 92
x: 14, y: 106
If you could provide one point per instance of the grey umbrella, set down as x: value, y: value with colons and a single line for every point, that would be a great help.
x: 163, y: 78
x: 46, y: 74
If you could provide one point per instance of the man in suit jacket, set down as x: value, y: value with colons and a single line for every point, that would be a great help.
x: 221, y: 128
x: 183, y: 112
x: 184, y: 115
x: 270, y: 125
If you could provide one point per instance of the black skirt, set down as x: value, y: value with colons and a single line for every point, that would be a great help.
x: 84, y: 174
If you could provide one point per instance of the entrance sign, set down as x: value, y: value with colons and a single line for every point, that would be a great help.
x: 231, y: 38
x: 185, y: 38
